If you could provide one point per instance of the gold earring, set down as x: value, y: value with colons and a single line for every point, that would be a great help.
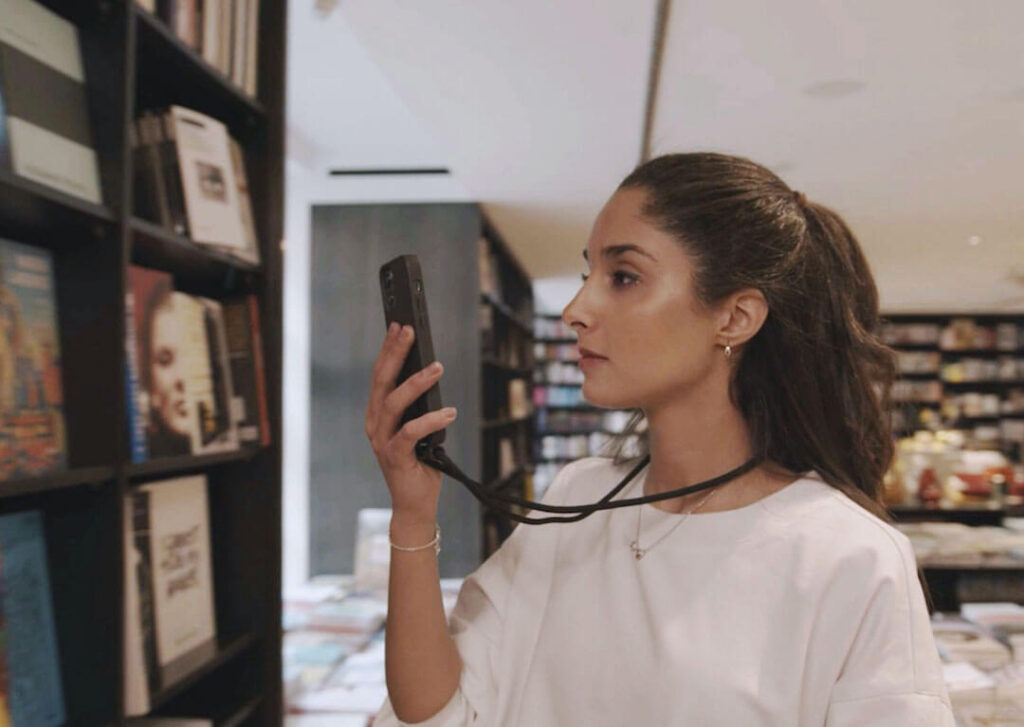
x: 728, y: 350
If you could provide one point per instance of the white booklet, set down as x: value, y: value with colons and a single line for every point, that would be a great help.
x: 179, y: 531
x: 207, y: 178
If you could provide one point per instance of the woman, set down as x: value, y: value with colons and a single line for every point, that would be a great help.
x: 163, y: 375
x: 738, y: 320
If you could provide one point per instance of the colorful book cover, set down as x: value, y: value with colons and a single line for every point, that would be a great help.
x: 32, y: 427
x: 30, y: 638
x: 161, y: 405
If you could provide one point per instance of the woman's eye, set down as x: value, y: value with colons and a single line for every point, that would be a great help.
x: 618, y: 275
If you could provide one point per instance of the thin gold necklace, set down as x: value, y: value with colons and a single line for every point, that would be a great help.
x: 639, y: 552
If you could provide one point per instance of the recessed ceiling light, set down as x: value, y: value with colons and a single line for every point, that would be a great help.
x: 834, y: 89
x: 974, y: 240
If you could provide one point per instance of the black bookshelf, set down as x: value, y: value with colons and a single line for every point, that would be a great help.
x: 132, y: 63
x: 507, y: 354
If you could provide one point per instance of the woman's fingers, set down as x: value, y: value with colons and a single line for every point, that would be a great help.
x: 379, y: 383
x: 416, y: 429
x: 407, y: 392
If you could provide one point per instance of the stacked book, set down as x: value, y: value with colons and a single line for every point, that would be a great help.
x: 195, y: 374
x: 225, y: 33
x: 190, y: 177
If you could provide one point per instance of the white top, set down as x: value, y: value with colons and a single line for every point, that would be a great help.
x: 799, y: 610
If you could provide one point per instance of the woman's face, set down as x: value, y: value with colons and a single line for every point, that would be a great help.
x: 167, y: 375
x: 638, y: 309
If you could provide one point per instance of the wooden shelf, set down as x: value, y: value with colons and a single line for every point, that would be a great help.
x: 494, y: 363
x: 178, y: 74
x: 509, y: 421
x: 508, y: 313
x: 228, y: 650
x: 30, y: 209
x: 190, y: 263
x: 240, y: 715
x: 57, y: 481
x: 175, y: 465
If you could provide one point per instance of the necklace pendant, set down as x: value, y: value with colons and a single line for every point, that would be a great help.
x: 638, y: 552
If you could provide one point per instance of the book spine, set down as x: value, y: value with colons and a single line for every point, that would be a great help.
x: 172, y: 177
x: 251, y: 38
x: 144, y: 583
x: 5, y: 137
x: 136, y: 426
x: 149, y: 126
x: 261, y: 382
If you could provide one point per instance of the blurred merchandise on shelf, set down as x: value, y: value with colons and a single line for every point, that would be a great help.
x: 567, y: 421
x: 918, y: 362
x: 962, y: 476
x: 558, y: 396
x: 948, y: 543
x: 373, y: 551
x: 518, y: 403
x: 558, y: 372
x: 983, y: 665
x: 562, y: 352
x: 910, y: 334
x: 333, y: 660
x: 552, y: 327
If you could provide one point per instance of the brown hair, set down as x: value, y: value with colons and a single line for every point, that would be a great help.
x: 814, y: 383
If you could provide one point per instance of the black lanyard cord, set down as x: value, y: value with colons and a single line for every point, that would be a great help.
x: 435, y: 457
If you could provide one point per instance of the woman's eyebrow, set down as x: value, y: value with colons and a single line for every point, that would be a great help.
x: 616, y: 250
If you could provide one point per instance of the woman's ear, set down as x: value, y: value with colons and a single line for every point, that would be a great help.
x: 742, y: 316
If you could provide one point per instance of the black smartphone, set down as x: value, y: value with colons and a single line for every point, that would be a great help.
x: 405, y: 303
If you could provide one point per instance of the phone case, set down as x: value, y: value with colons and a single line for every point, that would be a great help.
x: 405, y: 303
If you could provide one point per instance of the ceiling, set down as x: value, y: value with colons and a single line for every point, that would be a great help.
x: 537, y: 108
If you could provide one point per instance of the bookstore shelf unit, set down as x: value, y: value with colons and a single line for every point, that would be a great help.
x: 966, y: 370
x: 133, y: 63
x: 506, y: 428
x: 567, y: 427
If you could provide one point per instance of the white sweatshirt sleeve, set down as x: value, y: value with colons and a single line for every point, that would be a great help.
x: 892, y: 674
x: 476, y: 628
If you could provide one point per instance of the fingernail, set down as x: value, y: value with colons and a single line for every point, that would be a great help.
x: 449, y: 412
x: 392, y: 328
x: 406, y: 331
x: 435, y: 367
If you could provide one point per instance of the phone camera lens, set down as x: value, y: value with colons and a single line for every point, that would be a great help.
x: 388, y: 276
x: 391, y: 301
x: 419, y: 286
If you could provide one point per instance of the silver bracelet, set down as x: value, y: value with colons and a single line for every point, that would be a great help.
x: 436, y: 542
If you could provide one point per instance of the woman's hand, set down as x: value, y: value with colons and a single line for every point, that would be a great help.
x: 414, y: 486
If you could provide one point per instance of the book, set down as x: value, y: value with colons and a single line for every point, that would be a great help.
x: 207, y: 382
x: 160, y: 410
x: 207, y: 178
x: 32, y: 426
x: 250, y: 251
x: 249, y: 401
x: 136, y: 675
x: 174, y: 578
x: 45, y: 106
x: 165, y: 134
x: 960, y: 640
x: 30, y: 637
